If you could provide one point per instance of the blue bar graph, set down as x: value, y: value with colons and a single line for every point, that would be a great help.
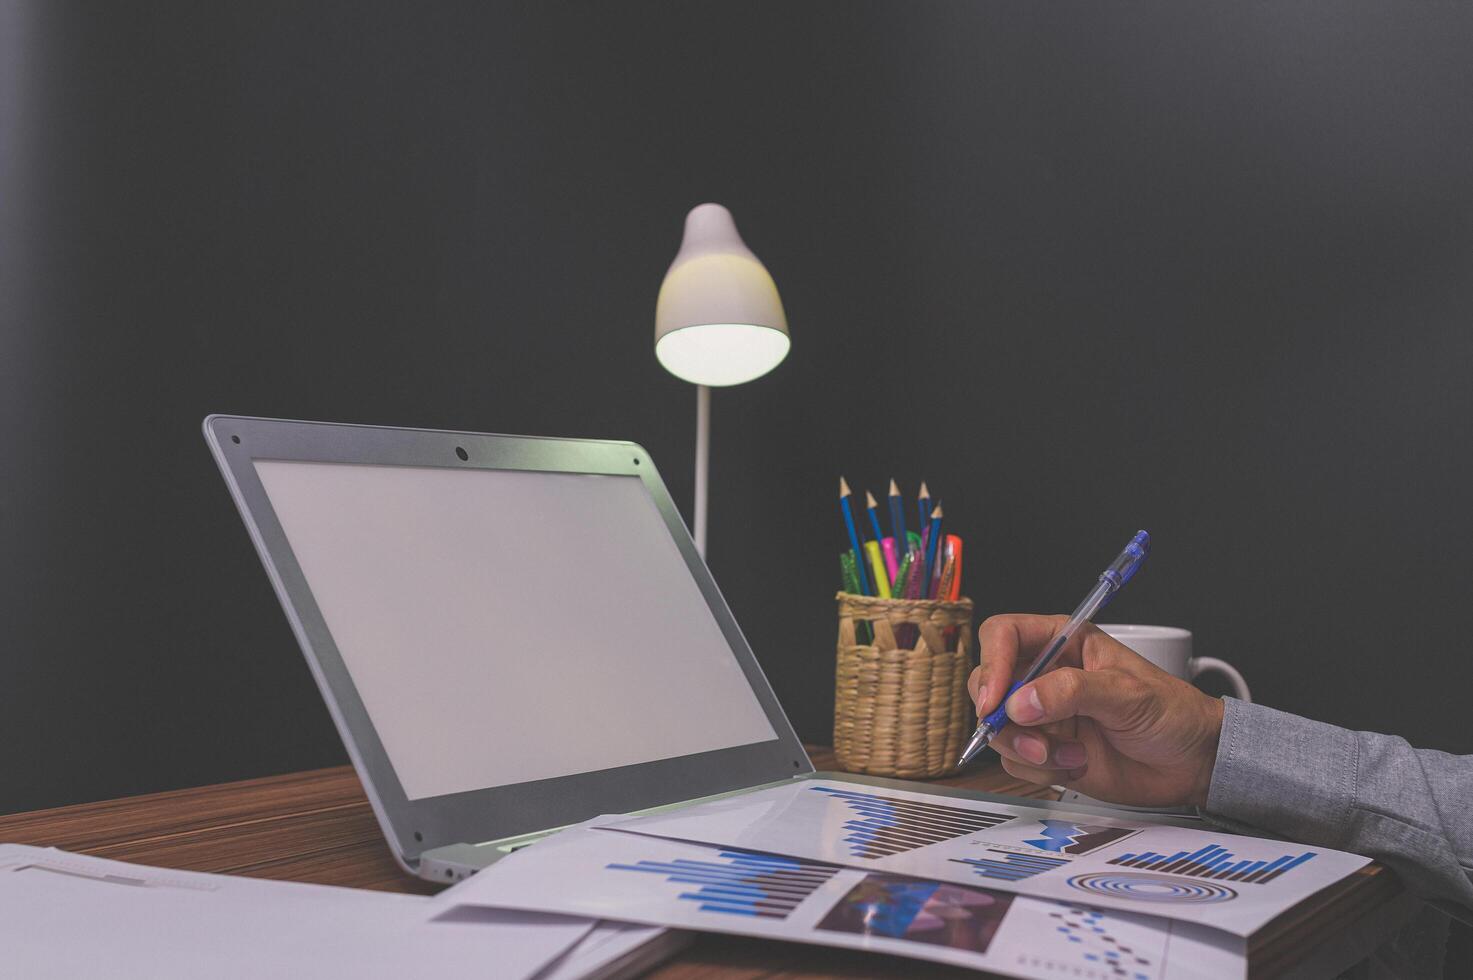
x: 760, y: 885
x: 1009, y: 866
x: 1214, y: 861
x: 886, y: 825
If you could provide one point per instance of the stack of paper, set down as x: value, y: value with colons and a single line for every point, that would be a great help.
x: 70, y: 916
x: 1022, y: 891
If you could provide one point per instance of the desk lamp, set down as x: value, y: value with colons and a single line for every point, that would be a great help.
x: 718, y: 322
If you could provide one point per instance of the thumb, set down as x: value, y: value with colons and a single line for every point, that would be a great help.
x: 1111, y: 697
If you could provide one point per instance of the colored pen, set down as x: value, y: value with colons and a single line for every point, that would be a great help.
x: 849, y: 575
x: 933, y: 545
x: 897, y: 518
x: 1111, y: 581
x: 902, y: 576
x: 848, y: 513
x: 905, y: 584
x: 874, y: 523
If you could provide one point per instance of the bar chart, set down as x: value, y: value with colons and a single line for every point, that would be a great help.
x: 1011, y: 866
x: 886, y: 825
x: 1216, y: 862
x: 741, y: 883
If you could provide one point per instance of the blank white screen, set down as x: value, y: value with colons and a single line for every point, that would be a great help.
x: 505, y: 626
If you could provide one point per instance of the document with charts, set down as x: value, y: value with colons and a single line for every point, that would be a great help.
x: 610, y: 874
x: 1196, y: 875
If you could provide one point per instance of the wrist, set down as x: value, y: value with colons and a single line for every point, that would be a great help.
x: 1206, y: 754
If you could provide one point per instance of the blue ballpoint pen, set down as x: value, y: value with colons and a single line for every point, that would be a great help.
x: 1112, y: 580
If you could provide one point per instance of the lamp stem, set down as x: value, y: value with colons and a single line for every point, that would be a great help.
x: 703, y: 457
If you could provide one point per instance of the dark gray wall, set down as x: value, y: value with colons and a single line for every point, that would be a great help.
x: 1206, y: 270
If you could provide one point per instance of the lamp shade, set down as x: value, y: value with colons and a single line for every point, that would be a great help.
x: 719, y: 320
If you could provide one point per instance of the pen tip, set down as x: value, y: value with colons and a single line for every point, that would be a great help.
x: 869, y: 499
x: 843, y: 487
x: 894, y: 490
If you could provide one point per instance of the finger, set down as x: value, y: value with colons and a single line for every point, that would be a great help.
x: 975, y: 684
x: 1004, y: 642
x: 1113, y: 698
x: 1032, y: 748
x: 1041, y: 776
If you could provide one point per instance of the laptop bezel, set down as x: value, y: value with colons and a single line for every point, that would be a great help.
x: 415, y: 826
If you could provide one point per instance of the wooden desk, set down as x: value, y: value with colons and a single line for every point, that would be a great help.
x: 317, y: 826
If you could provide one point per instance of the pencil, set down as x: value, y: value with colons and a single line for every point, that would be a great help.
x: 933, y: 567
x: 848, y: 513
x: 874, y: 523
x: 923, y: 506
x: 897, y: 518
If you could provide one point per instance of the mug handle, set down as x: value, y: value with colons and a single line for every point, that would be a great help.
x: 1201, y: 665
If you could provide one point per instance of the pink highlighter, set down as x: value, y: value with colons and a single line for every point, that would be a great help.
x: 892, y: 565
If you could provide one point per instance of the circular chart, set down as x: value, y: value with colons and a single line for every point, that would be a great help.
x: 1153, y: 888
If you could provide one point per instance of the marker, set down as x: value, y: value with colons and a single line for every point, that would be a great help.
x: 933, y: 544
x: 897, y: 518
x: 874, y: 523
x: 892, y: 564
x: 954, y: 550
x: 848, y: 513
x: 948, y: 570
x: 1111, y: 581
x: 877, y: 566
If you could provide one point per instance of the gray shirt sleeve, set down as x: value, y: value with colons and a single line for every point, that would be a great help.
x: 1410, y: 809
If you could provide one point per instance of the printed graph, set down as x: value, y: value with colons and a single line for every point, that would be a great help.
x: 1093, y: 948
x: 886, y: 825
x: 1216, y: 862
x: 741, y: 883
x: 1067, y: 837
x: 1009, y: 866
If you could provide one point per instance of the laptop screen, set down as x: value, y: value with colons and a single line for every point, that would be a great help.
x: 507, y: 626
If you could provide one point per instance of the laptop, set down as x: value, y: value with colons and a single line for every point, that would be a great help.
x: 512, y: 634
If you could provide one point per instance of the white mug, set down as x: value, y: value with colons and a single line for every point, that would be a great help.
x: 1170, y: 648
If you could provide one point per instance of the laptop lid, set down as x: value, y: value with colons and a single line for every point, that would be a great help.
x: 510, y: 633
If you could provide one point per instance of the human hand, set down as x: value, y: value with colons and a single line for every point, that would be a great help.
x: 1105, y: 722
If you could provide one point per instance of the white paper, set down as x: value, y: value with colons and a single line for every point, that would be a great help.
x: 611, y: 874
x: 1047, y: 853
x: 607, y: 946
x: 68, y: 916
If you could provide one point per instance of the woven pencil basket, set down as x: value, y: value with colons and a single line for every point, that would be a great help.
x: 900, y: 703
